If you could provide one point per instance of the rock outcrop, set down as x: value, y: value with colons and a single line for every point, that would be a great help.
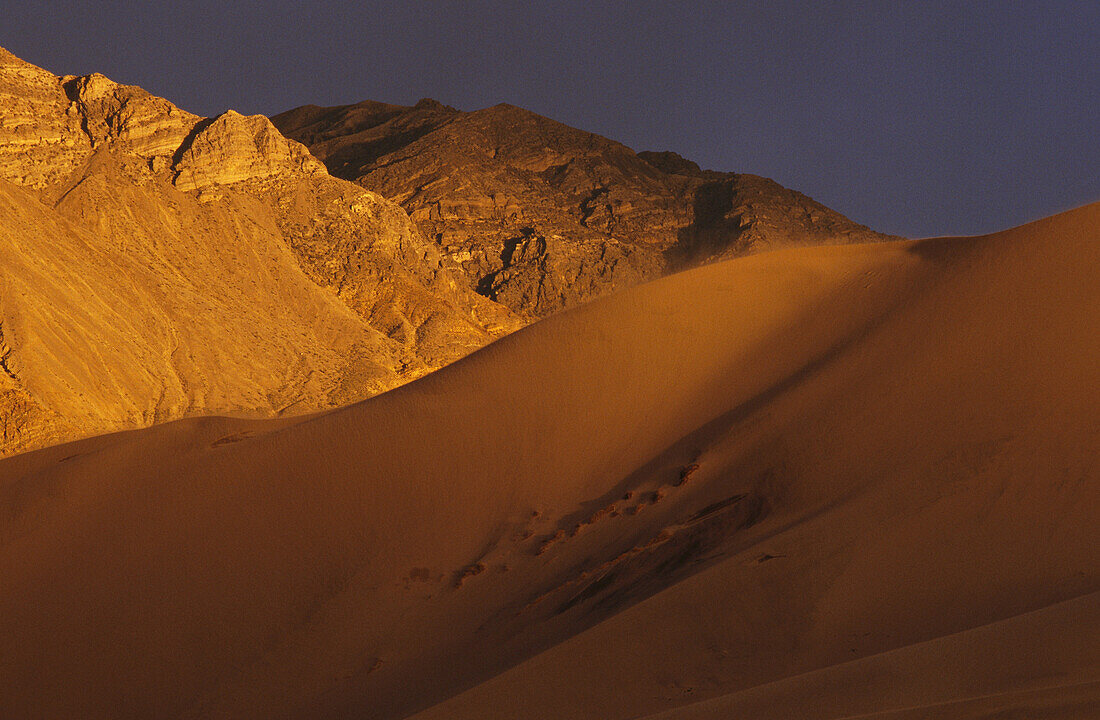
x: 233, y: 147
x: 129, y: 117
x: 156, y: 264
x: 541, y: 216
x: 41, y: 133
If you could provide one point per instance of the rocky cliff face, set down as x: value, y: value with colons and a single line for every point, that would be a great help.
x: 41, y: 133
x: 155, y: 264
x: 231, y: 148
x: 541, y: 216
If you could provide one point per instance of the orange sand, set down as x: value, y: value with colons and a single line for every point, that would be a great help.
x: 893, y: 514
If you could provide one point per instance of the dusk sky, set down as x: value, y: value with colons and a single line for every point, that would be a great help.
x: 914, y: 118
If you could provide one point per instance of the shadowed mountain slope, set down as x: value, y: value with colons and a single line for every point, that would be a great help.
x: 542, y: 216
x: 826, y: 483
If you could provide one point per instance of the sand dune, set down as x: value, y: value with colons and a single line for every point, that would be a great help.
x: 1047, y: 659
x: 855, y: 481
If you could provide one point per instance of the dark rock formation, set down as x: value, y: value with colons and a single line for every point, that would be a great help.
x: 541, y: 216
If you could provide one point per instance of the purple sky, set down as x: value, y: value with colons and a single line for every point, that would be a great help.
x: 922, y: 118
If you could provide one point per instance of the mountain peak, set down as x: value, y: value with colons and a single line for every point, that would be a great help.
x: 234, y: 147
x: 429, y: 103
x: 673, y: 163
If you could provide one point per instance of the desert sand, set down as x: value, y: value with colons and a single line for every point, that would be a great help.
x: 831, y: 482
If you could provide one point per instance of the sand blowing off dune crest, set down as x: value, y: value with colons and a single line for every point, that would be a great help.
x: 824, y: 482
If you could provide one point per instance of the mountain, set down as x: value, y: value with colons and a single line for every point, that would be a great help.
x: 155, y: 264
x: 541, y: 216
x: 828, y: 482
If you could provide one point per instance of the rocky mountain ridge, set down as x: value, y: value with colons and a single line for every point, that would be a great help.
x: 541, y: 216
